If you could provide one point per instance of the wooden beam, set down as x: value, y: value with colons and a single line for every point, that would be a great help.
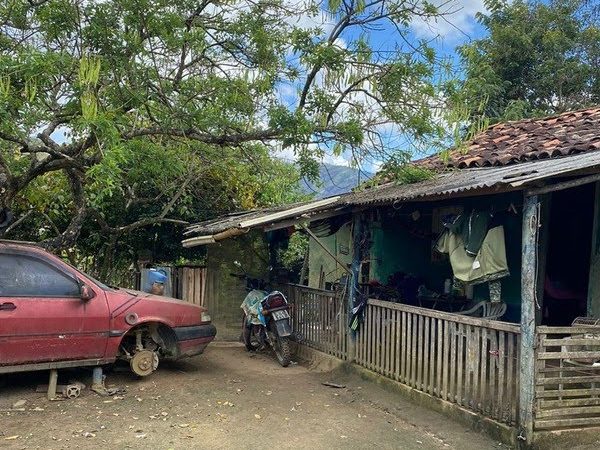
x: 528, y: 313
x: 324, y: 247
x: 231, y: 232
x: 198, y: 240
x: 593, y: 300
x: 298, y: 210
x: 304, y: 219
x: 564, y: 185
x: 543, y: 240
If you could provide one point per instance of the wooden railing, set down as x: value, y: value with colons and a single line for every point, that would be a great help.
x: 464, y: 360
x: 567, y: 389
x: 468, y: 361
x: 319, y: 319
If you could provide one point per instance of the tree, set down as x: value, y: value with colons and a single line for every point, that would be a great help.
x: 91, y: 91
x: 129, y: 197
x: 539, y: 58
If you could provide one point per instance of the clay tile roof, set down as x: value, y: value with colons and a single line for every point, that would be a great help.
x: 526, y: 140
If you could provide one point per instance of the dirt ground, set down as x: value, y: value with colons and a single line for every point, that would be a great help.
x: 225, y: 399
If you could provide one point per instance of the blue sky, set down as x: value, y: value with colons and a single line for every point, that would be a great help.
x: 456, y: 27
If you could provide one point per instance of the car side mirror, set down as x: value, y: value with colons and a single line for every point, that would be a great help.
x: 86, y: 292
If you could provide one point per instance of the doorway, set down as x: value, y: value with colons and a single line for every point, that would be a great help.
x: 568, y: 252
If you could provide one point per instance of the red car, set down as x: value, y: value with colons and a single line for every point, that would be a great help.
x: 54, y: 316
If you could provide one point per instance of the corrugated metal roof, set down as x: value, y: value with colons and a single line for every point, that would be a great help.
x: 227, y: 221
x: 261, y: 217
x: 472, y: 180
x: 463, y: 182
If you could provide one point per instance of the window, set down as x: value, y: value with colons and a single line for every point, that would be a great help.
x: 26, y: 276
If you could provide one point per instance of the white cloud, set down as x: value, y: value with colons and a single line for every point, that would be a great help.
x: 289, y: 154
x: 457, y: 20
x: 307, y: 21
x: 286, y: 154
x: 337, y: 160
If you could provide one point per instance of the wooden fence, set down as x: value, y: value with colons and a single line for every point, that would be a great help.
x: 468, y: 361
x: 567, y: 368
x: 319, y: 319
x: 189, y: 284
x: 464, y: 360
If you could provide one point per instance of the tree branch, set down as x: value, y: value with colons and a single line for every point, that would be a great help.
x: 345, y: 93
x: 17, y: 222
x: 221, y: 140
x: 145, y: 222
x: 68, y: 237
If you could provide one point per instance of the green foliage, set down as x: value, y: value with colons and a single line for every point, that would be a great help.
x: 539, y: 58
x: 292, y: 257
x: 119, y: 118
x: 398, y: 169
x: 352, y: 132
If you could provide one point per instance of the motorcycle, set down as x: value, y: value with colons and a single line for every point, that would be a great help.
x: 266, y: 321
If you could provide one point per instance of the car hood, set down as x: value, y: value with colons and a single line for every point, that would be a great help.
x: 147, y: 306
x: 156, y: 298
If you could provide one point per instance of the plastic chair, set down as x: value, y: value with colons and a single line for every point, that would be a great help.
x: 486, y: 310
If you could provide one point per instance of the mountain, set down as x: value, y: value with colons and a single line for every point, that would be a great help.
x: 335, y: 180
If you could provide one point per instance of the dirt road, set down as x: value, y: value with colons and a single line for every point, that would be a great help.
x: 226, y: 399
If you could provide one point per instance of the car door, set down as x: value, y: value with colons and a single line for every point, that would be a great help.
x: 42, y: 315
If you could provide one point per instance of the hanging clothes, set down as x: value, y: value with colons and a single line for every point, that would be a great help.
x: 488, y: 264
x: 472, y: 228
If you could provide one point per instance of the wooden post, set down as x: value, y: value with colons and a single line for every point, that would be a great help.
x: 52, y: 383
x: 354, y: 281
x: 593, y: 302
x: 528, y: 313
x: 543, y: 239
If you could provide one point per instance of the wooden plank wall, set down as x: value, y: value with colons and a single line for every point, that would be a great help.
x: 464, y: 360
x: 319, y: 319
x: 567, y: 392
x: 193, y: 285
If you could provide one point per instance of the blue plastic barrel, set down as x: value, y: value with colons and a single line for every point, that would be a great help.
x: 156, y: 276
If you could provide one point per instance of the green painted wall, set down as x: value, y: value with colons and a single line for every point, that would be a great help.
x: 394, y: 248
x: 340, y: 244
